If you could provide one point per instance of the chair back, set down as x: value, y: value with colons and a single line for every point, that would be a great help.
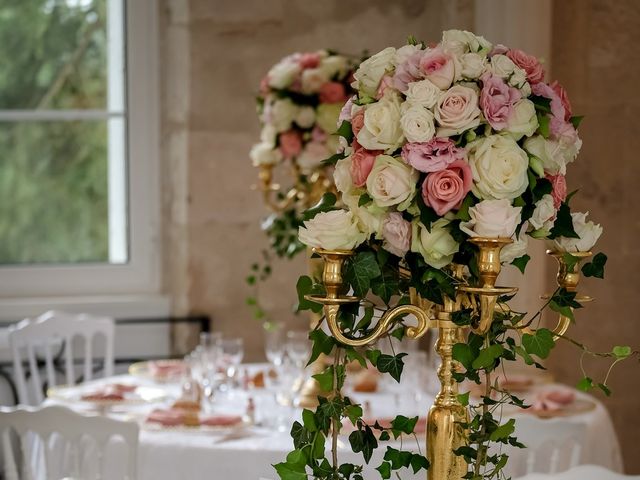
x: 55, y: 442
x: 582, y: 472
x: 46, y: 335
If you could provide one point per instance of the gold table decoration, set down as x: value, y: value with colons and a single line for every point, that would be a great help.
x: 446, y: 417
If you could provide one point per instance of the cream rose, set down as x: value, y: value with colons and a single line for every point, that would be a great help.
x: 282, y: 113
x: 422, y: 93
x: 523, y: 121
x: 462, y: 41
x: 264, y: 154
x: 305, y: 117
x: 342, y: 175
x: 334, y: 230
x: 417, y: 123
x: 499, y: 167
x: 516, y: 249
x: 283, y: 74
x: 396, y: 232
x: 268, y: 134
x: 502, y: 66
x: 392, y: 182
x: 553, y: 155
x: 313, y: 79
x: 472, y: 65
x: 437, y: 246
x: 327, y: 116
x: 457, y: 111
x: 404, y: 52
x: 544, y: 211
x: 311, y: 156
x: 381, y: 129
x: 493, y: 219
x: 334, y: 65
x: 588, y: 231
x: 368, y: 76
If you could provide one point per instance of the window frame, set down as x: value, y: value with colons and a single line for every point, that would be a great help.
x: 140, y: 277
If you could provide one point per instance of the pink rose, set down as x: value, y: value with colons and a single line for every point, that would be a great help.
x: 309, y: 60
x: 564, y: 99
x: 318, y: 135
x: 529, y: 63
x: 559, y: 126
x: 445, y: 190
x: 361, y: 164
x: 332, y: 92
x: 386, y: 82
x: 432, y: 156
x: 357, y: 122
x: 438, y: 66
x: 559, y: 192
x: 498, y: 49
x: 408, y: 71
x: 290, y: 143
x: 396, y: 232
x: 497, y: 100
x: 345, y: 113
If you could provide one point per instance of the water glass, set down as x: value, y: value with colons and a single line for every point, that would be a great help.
x: 274, y: 345
x: 232, y: 354
x: 298, y: 348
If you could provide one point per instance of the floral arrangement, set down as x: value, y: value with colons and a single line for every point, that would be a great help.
x: 299, y: 103
x: 440, y: 144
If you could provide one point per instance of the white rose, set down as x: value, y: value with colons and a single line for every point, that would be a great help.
x: 523, y: 122
x: 404, y: 52
x: 589, y: 233
x: 342, y: 176
x: 306, y: 117
x: 457, y: 111
x: 268, y: 135
x: 417, y: 123
x: 423, y: 93
x: 264, y: 154
x: 543, y: 212
x: 283, y: 74
x: 437, y: 247
x: 396, y: 232
x: 368, y: 76
x: 493, y: 219
x: 553, y: 155
x: 391, y: 182
x: 502, y: 66
x: 381, y: 130
x: 312, y: 154
x: 461, y: 41
x: 334, y: 66
x: 499, y: 167
x: 327, y: 116
x: 369, y: 219
x: 334, y: 230
x: 516, y: 249
x: 282, y: 114
x: 313, y: 79
x: 518, y: 78
x: 472, y: 65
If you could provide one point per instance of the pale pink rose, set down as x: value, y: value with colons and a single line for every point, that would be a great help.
x: 559, y: 192
x: 396, y: 232
x: 264, y: 85
x: 309, y: 60
x: 357, y: 122
x: 438, y: 67
x: 432, y: 156
x: 457, y: 110
x: 564, y: 98
x: 332, y: 92
x: 445, y: 190
x: 560, y: 128
x: 497, y: 100
x: 408, y: 71
x: 386, y: 82
x: 318, y: 135
x: 345, y: 113
x: 557, y: 107
x: 529, y: 63
x: 563, y: 131
x: 361, y: 164
x: 498, y: 49
x: 296, y: 86
x: 290, y: 143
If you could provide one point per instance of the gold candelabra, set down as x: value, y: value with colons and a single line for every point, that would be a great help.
x: 445, y: 431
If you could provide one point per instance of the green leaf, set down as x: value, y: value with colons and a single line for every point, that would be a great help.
x: 595, y: 268
x: 427, y: 214
x: 353, y: 413
x: 353, y: 354
x: 289, y: 472
x: 563, y: 226
x: 398, y: 458
x: 385, y: 470
x: 325, y: 379
x: 331, y: 408
x: 521, y: 262
x: 564, y: 310
x: 418, y: 462
x: 539, y: 344
x: 570, y: 260
x: 621, y: 352
x: 363, y: 441
x: 322, y: 343
x: 391, y: 364
x: 542, y: 104
x: 487, y: 356
x: 360, y: 271
x: 365, y: 321
x: 585, y: 384
x: 304, y: 286
x: 576, y: 120
x: 384, y: 436
x: 463, y: 353
x: 325, y: 204
x: 463, y: 211
x: 333, y: 159
x: 386, y: 285
x: 398, y: 333
x: 373, y: 356
x: 364, y: 199
x: 543, y: 125
x: 309, y: 420
x: 463, y: 398
x: 404, y: 424
x: 604, y: 389
x: 318, y: 446
x: 345, y: 131
x: 503, y: 431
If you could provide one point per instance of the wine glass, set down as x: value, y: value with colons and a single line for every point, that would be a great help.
x: 274, y: 345
x: 298, y: 348
x: 232, y: 354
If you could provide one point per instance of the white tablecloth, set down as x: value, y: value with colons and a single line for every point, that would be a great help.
x: 192, y: 455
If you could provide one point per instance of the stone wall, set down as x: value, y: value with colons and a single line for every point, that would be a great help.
x: 596, y: 56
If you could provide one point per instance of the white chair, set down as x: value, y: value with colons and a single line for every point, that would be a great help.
x: 583, y: 472
x: 56, y: 443
x: 49, y: 332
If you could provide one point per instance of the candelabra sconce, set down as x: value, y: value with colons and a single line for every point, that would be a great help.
x: 568, y: 277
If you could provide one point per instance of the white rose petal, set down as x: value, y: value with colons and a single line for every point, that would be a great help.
x: 313, y: 79
x: 423, y: 93
x: 342, y: 175
x: 382, y: 130
x: 268, y: 134
x: 516, y: 249
x: 502, y: 66
x: 334, y: 66
x: 457, y: 111
x: 282, y: 114
x: 499, y: 167
x: 283, y: 74
x: 493, y: 219
x: 327, y: 116
x: 554, y: 155
x: 391, y: 182
x: 523, y: 122
x: 437, y: 246
x: 306, y: 117
x: 334, y: 230
x: 404, y: 52
x: 309, y: 159
x: 368, y: 76
x: 588, y: 231
x: 543, y: 212
x: 264, y: 154
x: 472, y: 65
x: 462, y: 41
x: 417, y: 124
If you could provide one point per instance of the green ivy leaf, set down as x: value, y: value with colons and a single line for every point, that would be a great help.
x: 365, y: 321
x: 309, y: 420
x: 364, y: 199
x: 332, y: 408
x: 427, y: 214
x: 463, y: 398
x: 402, y: 424
x: 333, y: 159
x: 322, y: 343
x: 542, y: 104
x: 621, y: 352
x: 288, y: 472
x: 564, y: 310
x: 418, y: 462
x: 521, y: 262
x: 353, y: 354
x: 563, y: 226
x: 386, y: 285
x: 487, y: 357
x: 305, y: 286
x: 385, y: 470
x: 317, y: 449
x: 585, y: 384
x: 391, y: 364
x: 398, y: 458
x: 503, y: 431
x: 604, y: 389
x: 325, y: 204
x: 576, y: 120
x: 543, y: 125
x: 364, y: 441
x: 463, y: 353
x: 360, y: 271
x: 595, y: 268
x: 570, y: 260
x: 463, y: 211
x: 353, y: 413
x: 384, y: 436
x: 373, y: 356
x: 325, y: 379
x: 345, y: 131
x: 539, y: 344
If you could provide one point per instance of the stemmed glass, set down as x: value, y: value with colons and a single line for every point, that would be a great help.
x: 232, y: 354
x: 207, y: 357
x: 298, y: 348
x: 274, y: 346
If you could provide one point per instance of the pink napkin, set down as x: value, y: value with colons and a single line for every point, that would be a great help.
x: 552, y: 400
x: 168, y: 418
x: 167, y: 368
x: 220, y: 420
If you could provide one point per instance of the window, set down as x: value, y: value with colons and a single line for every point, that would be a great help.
x: 78, y: 154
